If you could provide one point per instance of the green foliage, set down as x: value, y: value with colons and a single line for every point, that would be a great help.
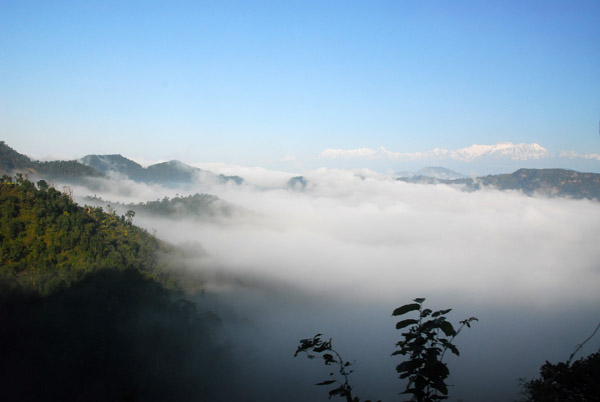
x: 47, y: 241
x: 425, y: 344
x: 11, y: 159
x: 196, y: 205
x: 561, y: 382
x: 65, y: 170
x: 71, y: 171
x: 568, y: 382
x: 88, y: 311
x: 428, y: 337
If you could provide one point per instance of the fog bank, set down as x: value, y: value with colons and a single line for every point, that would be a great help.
x: 339, y: 256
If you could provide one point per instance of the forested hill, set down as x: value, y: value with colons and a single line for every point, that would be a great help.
x: 11, y: 159
x: 196, y: 206
x: 172, y: 173
x: 48, y: 241
x: 69, y: 171
x: 547, y: 182
x: 86, y: 314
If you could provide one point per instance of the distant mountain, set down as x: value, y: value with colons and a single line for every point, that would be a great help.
x: 502, y: 150
x: 552, y: 182
x: 440, y: 173
x: 297, y: 183
x: 116, y: 163
x: 168, y: 173
x: 431, y: 172
x: 549, y: 182
x: 165, y: 173
x: 70, y: 171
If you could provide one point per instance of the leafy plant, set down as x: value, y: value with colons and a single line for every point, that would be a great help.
x: 428, y: 338
x: 316, y: 347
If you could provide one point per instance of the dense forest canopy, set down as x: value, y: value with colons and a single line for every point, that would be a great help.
x: 89, y: 312
x: 69, y: 171
x: 49, y: 241
x: 195, y: 205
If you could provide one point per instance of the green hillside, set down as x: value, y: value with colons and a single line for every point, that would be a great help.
x: 191, y: 206
x: 48, y: 241
x: 69, y: 171
x: 11, y: 159
x: 90, y: 313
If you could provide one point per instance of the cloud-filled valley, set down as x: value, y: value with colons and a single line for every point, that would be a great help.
x: 339, y: 255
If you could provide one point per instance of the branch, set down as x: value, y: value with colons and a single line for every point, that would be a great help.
x: 578, y: 348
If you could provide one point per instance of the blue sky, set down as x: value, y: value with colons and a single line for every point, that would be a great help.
x: 256, y: 82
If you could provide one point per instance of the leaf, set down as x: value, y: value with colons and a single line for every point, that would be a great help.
x: 328, y: 358
x: 440, y: 386
x: 467, y: 322
x: 447, y: 328
x: 405, y: 323
x: 453, y: 349
x: 441, y: 312
x: 325, y: 382
x: 406, y: 308
x: 408, y: 366
x: 419, y: 300
x: 337, y: 391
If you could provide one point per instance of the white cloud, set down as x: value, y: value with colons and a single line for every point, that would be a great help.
x: 356, y: 244
x: 575, y: 155
x: 371, y: 237
x: 474, y: 152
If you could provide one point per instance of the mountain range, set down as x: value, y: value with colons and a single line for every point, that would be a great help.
x: 167, y: 173
x: 435, y: 172
x: 547, y: 182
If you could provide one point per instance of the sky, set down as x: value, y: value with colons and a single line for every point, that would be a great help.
x: 279, y: 84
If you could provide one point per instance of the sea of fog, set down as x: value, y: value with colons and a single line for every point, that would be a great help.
x: 339, y: 255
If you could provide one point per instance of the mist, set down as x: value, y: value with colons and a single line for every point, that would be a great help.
x: 339, y: 255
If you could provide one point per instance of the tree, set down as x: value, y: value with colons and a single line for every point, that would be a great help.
x: 561, y: 382
x: 130, y: 214
x: 566, y: 382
